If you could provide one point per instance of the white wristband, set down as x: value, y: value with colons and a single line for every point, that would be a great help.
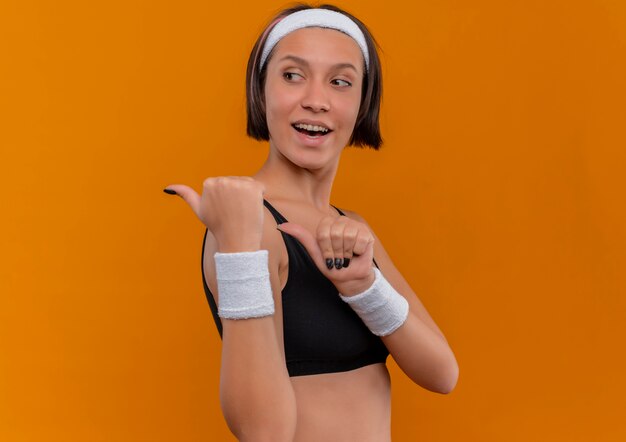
x: 243, y: 285
x: 381, y: 307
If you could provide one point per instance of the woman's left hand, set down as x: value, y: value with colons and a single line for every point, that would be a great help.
x: 343, y: 250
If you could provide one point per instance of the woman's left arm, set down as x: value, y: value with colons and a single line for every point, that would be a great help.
x: 418, y: 346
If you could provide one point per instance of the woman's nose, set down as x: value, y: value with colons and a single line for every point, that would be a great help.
x: 315, y: 98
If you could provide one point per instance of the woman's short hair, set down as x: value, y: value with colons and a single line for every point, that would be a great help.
x: 367, y: 128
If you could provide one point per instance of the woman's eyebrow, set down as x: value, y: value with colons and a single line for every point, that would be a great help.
x: 305, y: 63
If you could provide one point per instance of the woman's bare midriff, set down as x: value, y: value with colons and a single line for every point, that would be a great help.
x: 344, y: 407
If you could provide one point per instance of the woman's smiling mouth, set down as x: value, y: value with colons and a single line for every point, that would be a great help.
x: 311, y: 130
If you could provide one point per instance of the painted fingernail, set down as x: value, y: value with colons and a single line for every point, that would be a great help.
x: 170, y: 191
x: 329, y: 263
x: 338, y: 262
x: 346, y: 262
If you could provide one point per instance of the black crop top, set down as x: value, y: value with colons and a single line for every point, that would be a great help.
x: 321, y: 333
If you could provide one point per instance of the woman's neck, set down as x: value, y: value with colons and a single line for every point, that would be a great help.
x: 287, y: 181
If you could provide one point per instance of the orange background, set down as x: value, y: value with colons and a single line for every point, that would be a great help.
x: 499, y: 194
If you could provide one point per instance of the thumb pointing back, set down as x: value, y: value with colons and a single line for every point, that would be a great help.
x: 188, y: 194
x: 307, y: 240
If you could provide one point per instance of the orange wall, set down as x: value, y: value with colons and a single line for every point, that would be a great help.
x: 499, y: 194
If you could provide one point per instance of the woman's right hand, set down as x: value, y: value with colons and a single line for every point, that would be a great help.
x: 231, y: 208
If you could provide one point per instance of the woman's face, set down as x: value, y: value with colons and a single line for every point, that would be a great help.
x: 312, y: 95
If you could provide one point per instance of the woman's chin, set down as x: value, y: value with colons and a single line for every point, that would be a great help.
x: 306, y: 157
x: 306, y: 162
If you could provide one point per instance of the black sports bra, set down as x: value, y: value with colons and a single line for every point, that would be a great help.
x: 321, y: 333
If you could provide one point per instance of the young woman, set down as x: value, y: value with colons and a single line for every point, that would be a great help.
x: 307, y: 300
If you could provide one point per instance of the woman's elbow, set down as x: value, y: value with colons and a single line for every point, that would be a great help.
x: 449, y: 377
x: 255, y: 429
x: 250, y: 419
x: 440, y: 377
x: 276, y: 434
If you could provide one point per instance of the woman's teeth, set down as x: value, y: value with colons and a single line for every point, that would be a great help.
x: 311, y: 128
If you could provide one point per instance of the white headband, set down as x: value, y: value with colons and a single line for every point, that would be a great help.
x: 316, y: 17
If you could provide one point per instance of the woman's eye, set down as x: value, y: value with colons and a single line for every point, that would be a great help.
x: 339, y: 82
x: 290, y: 76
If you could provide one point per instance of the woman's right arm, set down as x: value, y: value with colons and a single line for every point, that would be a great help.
x: 256, y: 395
